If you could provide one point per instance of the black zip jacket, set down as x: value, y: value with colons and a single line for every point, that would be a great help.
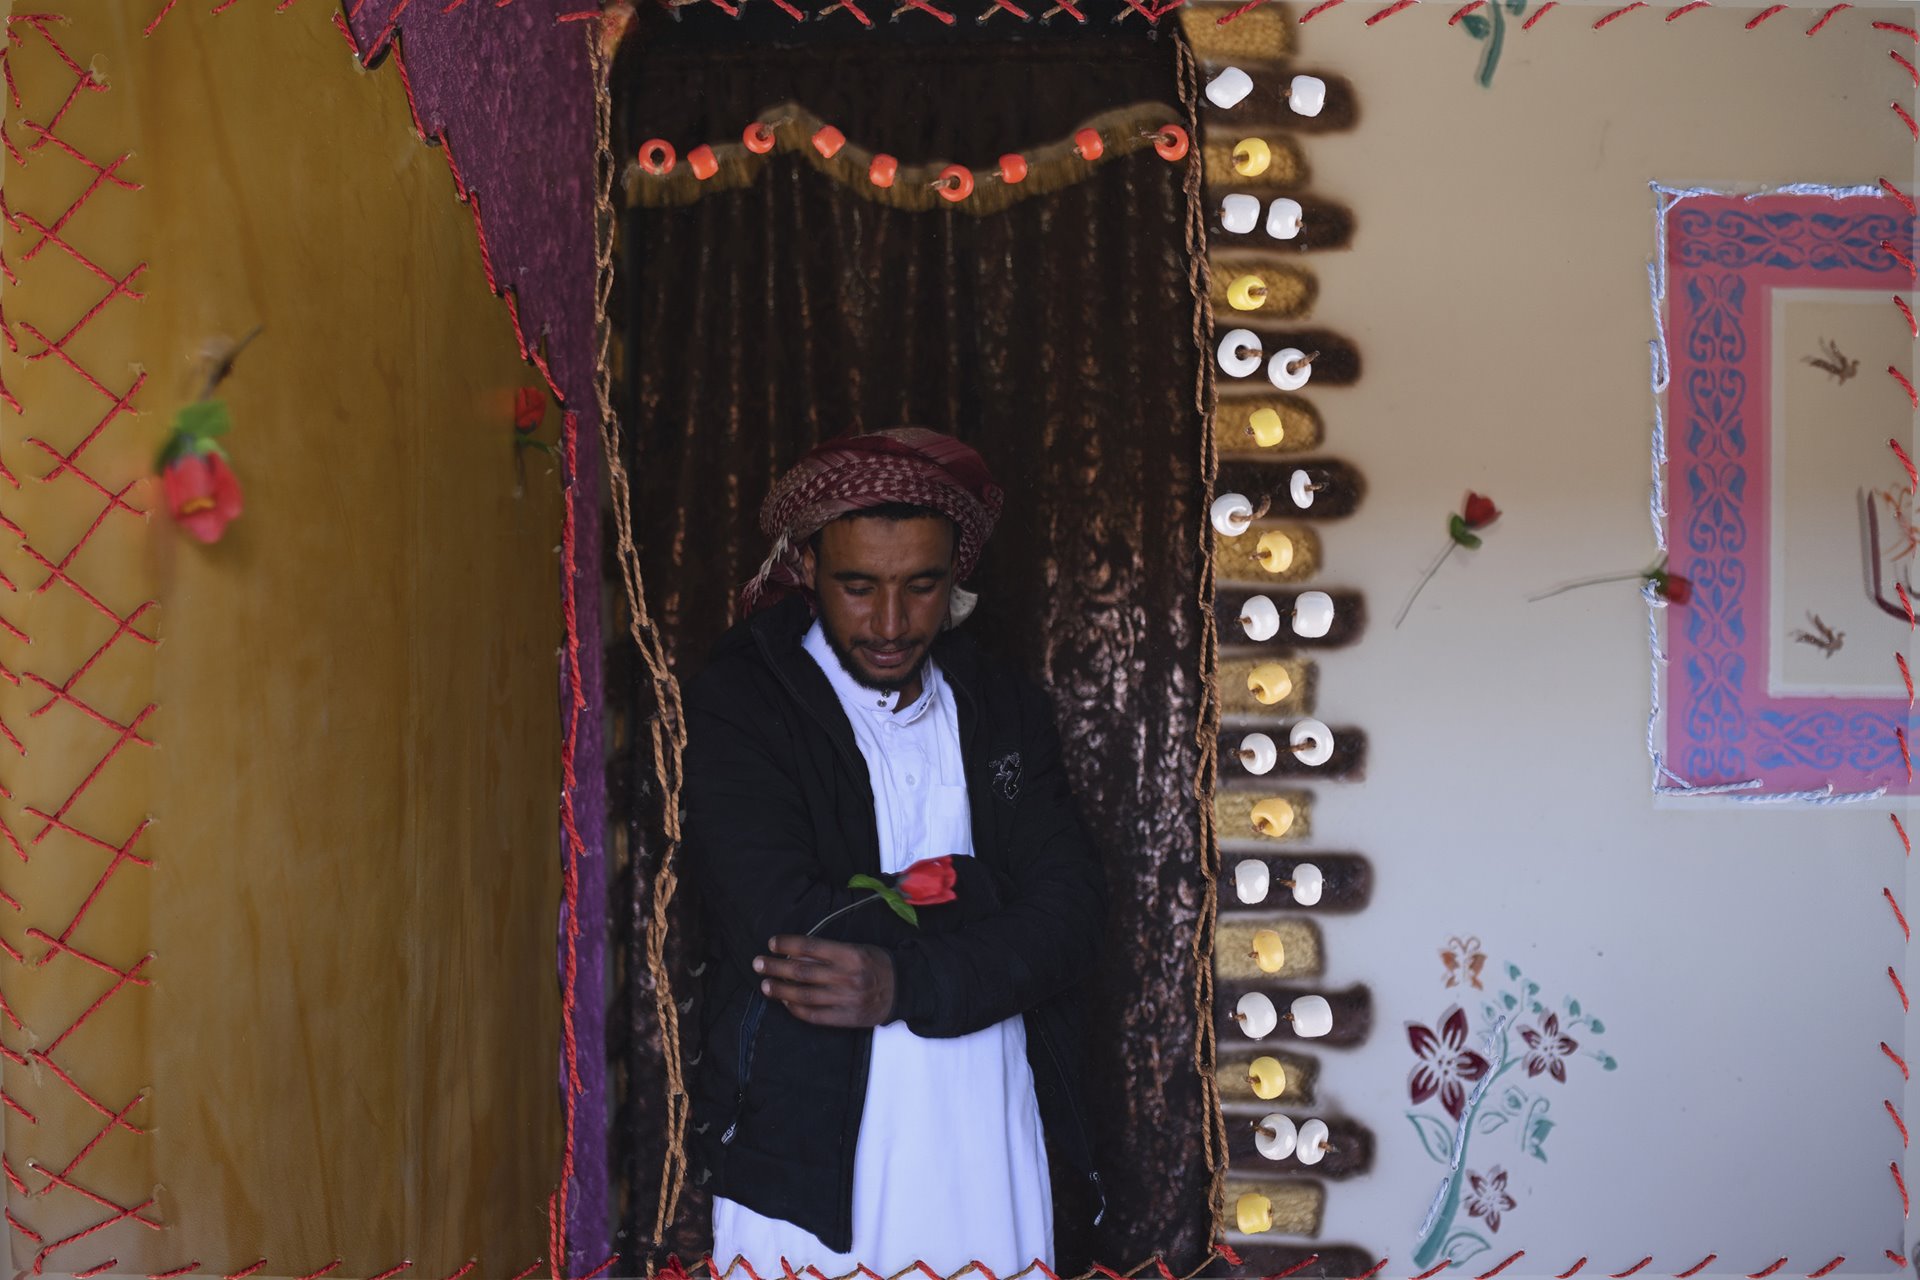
x: 779, y: 815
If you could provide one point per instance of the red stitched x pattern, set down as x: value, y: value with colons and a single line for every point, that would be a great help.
x: 53, y: 1055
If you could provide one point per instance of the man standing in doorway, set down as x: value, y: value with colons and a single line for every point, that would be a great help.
x: 872, y: 1090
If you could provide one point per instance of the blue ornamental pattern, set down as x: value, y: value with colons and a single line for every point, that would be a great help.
x: 1725, y: 742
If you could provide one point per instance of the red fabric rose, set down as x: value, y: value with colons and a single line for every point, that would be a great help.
x: 928, y: 882
x: 1480, y: 511
x: 202, y: 494
x: 529, y: 407
x: 1676, y: 589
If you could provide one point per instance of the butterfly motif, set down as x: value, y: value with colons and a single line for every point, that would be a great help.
x: 1463, y: 960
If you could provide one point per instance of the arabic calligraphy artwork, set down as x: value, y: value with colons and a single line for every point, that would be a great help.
x: 1787, y: 510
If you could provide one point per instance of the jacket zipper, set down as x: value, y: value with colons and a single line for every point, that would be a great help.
x: 1073, y: 1108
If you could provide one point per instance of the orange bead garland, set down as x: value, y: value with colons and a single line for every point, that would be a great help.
x: 829, y: 141
x: 955, y: 183
x: 1171, y: 142
x: 1013, y: 168
x: 1087, y: 142
x: 883, y: 170
x: 757, y: 138
x: 656, y: 156
x: 703, y: 162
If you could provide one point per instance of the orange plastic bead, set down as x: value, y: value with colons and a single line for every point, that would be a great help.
x: 1171, y: 142
x: 758, y: 138
x: 883, y: 170
x: 702, y: 161
x: 656, y: 156
x: 1087, y: 142
x: 956, y: 183
x: 829, y: 141
x: 1013, y: 168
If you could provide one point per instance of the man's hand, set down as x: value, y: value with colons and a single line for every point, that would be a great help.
x: 830, y: 984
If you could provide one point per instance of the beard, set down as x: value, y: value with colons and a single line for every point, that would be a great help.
x: 891, y: 684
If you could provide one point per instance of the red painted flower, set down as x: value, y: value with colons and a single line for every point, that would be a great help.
x: 1487, y: 1196
x: 1675, y: 589
x: 202, y: 494
x: 1446, y: 1064
x: 1547, y: 1049
x: 928, y: 882
x: 1480, y: 511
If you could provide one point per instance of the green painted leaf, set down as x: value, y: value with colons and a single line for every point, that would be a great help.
x: 1596, y: 1026
x: 1513, y: 970
x: 1537, y: 1137
x: 1573, y: 1007
x: 1607, y: 1063
x: 1463, y: 1245
x: 1492, y: 1120
x: 1507, y: 999
x: 1434, y: 1136
x: 1477, y: 27
x: 1516, y: 7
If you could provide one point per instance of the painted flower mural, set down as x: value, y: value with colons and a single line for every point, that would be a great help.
x: 1516, y: 1028
x: 1547, y: 1049
x: 1487, y: 1196
x: 1446, y: 1065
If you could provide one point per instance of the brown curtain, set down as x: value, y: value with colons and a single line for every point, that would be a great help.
x: 1056, y: 337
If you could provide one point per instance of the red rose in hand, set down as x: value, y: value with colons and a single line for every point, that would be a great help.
x: 928, y: 882
x: 202, y: 494
x: 1676, y: 589
x: 1480, y: 511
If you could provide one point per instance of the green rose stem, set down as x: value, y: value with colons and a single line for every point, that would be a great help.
x: 1588, y: 582
x: 882, y: 892
x: 1425, y: 579
x: 1430, y: 1249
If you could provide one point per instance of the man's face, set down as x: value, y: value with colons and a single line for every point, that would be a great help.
x: 883, y: 588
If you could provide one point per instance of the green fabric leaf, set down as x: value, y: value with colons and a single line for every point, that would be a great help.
x: 1477, y: 27
x: 204, y: 419
x: 867, y: 882
x: 1458, y: 531
x: 902, y: 908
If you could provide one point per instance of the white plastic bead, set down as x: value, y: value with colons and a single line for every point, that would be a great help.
x: 1230, y: 88
x: 1260, y: 619
x: 1312, y: 1015
x: 1240, y: 353
x: 1312, y: 1141
x: 1313, y: 743
x: 1312, y: 614
x: 1251, y: 880
x: 1308, y: 882
x: 1300, y: 488
x: 1265, y: 756
x: 1231, y: 513
x: 1258, y: 1017
x: 1285, y: 1135
x: 1288, y: 370
x: 1240, y: 214
x: 1306, y: 95
x: 1284, y: 217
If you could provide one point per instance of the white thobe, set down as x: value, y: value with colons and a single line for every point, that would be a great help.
x: 951, y: 1166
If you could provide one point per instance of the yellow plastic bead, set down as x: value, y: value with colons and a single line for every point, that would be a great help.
x: 1248, y: 293
x: 1274, y: 551
x: 1251, y: 156
x: 1268, y: 1078
x: 1254, y: 1212
x: 1268, y: 951
x: 1269, y: 682
x: 1273, y: 817
x: 1268, y: 430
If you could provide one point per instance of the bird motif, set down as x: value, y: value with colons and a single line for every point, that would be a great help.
x: 1822, y: 637
x: 1834, y: 362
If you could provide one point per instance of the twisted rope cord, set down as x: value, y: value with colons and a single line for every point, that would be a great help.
x: 1206, y: 771
x: 666, y: 726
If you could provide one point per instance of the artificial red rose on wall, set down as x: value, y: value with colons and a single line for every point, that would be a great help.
x: 203, y: 495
